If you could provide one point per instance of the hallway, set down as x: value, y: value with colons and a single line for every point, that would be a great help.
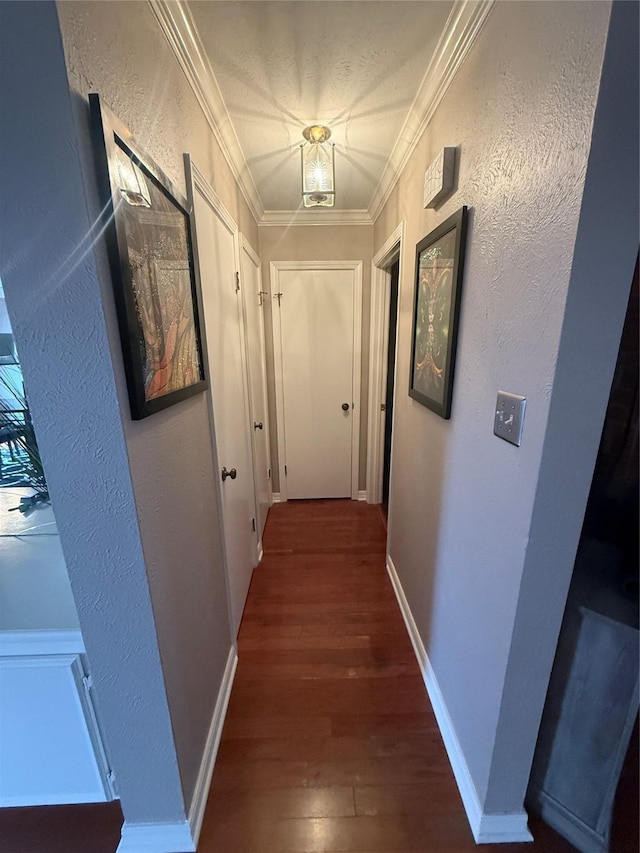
x: 330, y: 743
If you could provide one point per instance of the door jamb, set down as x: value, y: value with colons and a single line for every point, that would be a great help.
x: 245, y: 246
x: 356, y: 267
x: 390, y: 251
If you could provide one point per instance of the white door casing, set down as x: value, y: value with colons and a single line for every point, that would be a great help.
x: 216, y: 240
x: 390, y: 251
x: 317, y: 355
x: 253, y: 298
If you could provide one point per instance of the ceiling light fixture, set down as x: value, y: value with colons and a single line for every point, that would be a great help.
x: 318, y: 168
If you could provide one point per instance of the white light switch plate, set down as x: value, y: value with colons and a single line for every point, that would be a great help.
x: 509, y: 417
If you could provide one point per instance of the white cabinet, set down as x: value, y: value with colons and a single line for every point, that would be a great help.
x: 50, y: 746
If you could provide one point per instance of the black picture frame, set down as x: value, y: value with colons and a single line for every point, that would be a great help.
x: 436, y: 310
x: 149, y: 229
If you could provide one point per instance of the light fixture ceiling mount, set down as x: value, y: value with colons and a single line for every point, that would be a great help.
x: 318, y: 167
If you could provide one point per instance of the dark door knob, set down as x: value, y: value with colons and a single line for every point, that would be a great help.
x: 345, y: 407
x: 257, y: 426
x: 232, y: 473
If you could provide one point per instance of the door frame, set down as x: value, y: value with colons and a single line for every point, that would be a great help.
x: 356, y: 268
x: 246, y: 247
x: 196, y: 182
x: 390, y: 252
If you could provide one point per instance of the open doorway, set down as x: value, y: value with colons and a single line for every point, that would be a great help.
x: 385, y: 286
x: 583, y: 781
x: 391, y: 369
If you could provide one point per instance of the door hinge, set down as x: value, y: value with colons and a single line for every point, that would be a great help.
x: 87, y: 681
x: 269, y: 473
x: 285, y: 471
x: 253, y: 525
x: 237, y: 281
x: 383, y: 407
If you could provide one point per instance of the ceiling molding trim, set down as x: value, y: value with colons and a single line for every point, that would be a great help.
x: 316, y: 217
x: 178, y: 26
x: 461, y: 30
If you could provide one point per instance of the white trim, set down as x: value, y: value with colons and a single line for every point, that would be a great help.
x: 486, y: 828
x: 156, y: 838
x: 315, y: 217
x: 41, y: 642
x: 275, y: 498
x: 260, y: 552
x: 362, y: 495
x: 356, y: 267
x: 378, y: 343
x: 247, y: 248
x: 177, y: 24
x: 461, y: 30
x: 203, y: 782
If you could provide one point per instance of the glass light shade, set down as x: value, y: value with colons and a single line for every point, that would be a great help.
x: 318, y: 174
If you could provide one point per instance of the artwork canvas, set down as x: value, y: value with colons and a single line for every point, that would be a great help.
x: 148, y: 229
x: 439, y: 267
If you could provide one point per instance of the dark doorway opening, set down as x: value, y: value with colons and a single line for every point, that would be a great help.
x: 391, y: 365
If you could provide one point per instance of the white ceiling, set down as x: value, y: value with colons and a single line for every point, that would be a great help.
x: 372, y: 71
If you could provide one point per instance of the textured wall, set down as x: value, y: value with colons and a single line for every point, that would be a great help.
x: 521, y: 111
x: 118, y: 50
x: 55, y: 299
x: 318, y: 243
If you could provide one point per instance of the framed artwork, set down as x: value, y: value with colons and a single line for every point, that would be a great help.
x: 439, y: 266
x: 148, y: 227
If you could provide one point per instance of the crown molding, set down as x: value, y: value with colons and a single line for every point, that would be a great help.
x: 315, y: 217
x: 461, y: 30
x: 176, y: 22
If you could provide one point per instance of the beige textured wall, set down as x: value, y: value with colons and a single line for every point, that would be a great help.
x: 118, y: 50
x: 520, y: 110
x: 318, y: 243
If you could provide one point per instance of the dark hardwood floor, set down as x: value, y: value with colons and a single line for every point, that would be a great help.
x: 330, y: 744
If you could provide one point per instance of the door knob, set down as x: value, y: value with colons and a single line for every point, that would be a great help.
x: 232, y: 473
x: 257, y: 426
x: 345, y: 407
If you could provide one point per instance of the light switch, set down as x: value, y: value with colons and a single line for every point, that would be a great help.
x: 509, y: 417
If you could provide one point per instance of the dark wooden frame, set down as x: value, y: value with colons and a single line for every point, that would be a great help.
x: 440, y: 403
x: 109, y: 134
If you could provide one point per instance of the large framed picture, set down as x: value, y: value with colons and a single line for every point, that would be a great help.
x: 148, y: 228
x: 439, y: 267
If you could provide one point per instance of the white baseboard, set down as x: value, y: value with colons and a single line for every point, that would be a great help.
x: 182, y: 837
x: 199, y: 801
x: 486, y: 828
x: 362, y: 495
x: 156, y: 838
x: 275, y: 498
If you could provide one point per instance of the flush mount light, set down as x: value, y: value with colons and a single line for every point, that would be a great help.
x: 318, y: 171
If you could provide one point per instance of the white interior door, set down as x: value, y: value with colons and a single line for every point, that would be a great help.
x: 253, y: 297
x: 317, y: 331
x: 222, y: 318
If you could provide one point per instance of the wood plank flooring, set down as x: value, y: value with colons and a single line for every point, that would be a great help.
x: 330, y: 744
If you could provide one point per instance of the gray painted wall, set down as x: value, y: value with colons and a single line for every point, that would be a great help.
x: 136, y: 501
x: 594, y: 316
x: 55, y: 303
x: 462, y: 526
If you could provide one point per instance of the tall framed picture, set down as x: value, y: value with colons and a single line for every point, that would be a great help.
x: 148, y: 228
x: 439, y: 267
